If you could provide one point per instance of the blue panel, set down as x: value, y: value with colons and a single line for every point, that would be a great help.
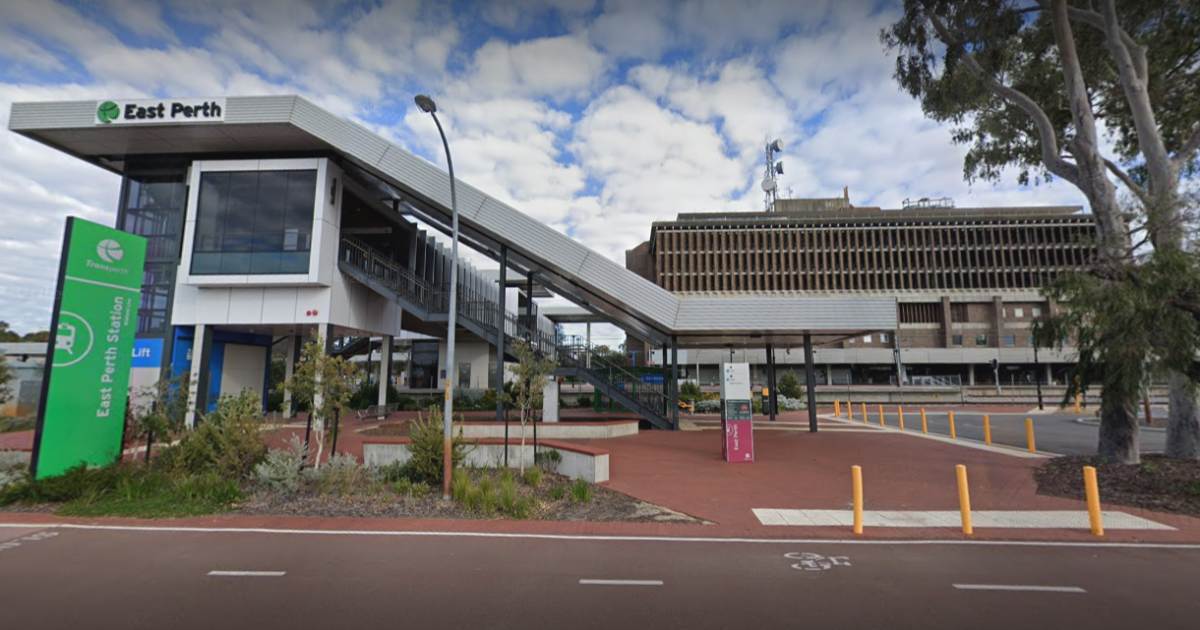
x: 216, y: 360
x: 181, y: 351
x: 147, y: 353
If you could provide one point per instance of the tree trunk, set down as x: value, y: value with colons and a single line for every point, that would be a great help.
x: 1119, y: 421
x: 1183, y: 426
x: 521, y: 456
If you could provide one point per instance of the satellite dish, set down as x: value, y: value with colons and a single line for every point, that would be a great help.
x: 768, y: 184
x: 776, y: 145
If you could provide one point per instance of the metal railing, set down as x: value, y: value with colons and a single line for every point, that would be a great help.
x: 650, y: 396
x: 477, y: 309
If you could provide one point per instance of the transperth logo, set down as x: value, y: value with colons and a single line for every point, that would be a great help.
x: 109, y: 251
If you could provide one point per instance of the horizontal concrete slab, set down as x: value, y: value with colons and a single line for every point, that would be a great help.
x: 1013, y: 519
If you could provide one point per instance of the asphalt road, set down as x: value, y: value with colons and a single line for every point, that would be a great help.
x: 1055, y: 433
x: 152, y: 579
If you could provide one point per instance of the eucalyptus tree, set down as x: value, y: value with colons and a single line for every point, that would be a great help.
x: 1039, y: 87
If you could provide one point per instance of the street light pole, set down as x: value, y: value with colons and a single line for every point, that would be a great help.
x: 428, y: 106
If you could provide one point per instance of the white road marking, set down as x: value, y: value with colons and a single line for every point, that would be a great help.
x: 1019, y: 587
x: 594, y: 582
x: 247, y: 573
x: 1018, y: 519
x: 600, y: 537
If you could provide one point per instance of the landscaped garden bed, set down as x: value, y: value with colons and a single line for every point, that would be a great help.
x: 1158, y: 483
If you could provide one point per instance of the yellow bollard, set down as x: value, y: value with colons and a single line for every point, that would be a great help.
x: 866, y: 419
x: 924, y: 422
x: 900, y: 415
x: 1029, y: 435
x: 1078, y: 402
x: 849, y: 410
x: 837, y: 408
x: 964, y: 499
x: 1092, y: 491
x: 881, y: 422
x: 953, y: 433
x: 857, y: 490
x: 987, y: 429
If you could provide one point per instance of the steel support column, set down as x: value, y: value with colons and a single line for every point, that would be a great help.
x: 769, y: 399
x: 674, y: 384
x: 810, y: 378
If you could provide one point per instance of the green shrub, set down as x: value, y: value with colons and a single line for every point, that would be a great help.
x: 581, y: 491
x: 226, y: 443
x: 557, y: 492
x: 511, y: 501
x: 127, y: 490
x: 14, y: 467
x: 410, y: 488
x: 533, y: 476
x: 690, y: 392
x: 460, y: 485
x: 394, y: 472
x: 280, y: 469
x: 340, y: 475
x: 789, y: 385
x: 425, y: 434
x: 547, y: 459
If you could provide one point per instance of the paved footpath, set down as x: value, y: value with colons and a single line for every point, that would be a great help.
x: 73, y: 578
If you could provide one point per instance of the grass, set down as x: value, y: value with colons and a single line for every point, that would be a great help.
x: 533, y: 477
x: 26, y: 423
x: 128, y: 490
x: 581, y: 491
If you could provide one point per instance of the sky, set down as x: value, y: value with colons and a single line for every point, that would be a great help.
x: 594, y: 116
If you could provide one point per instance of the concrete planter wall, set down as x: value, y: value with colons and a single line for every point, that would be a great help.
x: 573, y: 463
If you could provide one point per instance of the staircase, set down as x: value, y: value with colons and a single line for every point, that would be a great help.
x: 478, y: 313
x: 648, y: 400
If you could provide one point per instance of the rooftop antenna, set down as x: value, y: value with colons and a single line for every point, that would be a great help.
x: 774, y: 167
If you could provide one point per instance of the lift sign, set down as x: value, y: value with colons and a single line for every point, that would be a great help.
x: 160, y: 111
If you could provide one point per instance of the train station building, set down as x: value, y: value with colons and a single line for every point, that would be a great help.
x: 270, y: 220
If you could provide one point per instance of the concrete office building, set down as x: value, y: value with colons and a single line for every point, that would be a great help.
x: 966, y: 281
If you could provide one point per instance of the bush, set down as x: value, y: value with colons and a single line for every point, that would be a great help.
x: 425, y: 434
x: 558, y: 492
x: 14, y: 467
x: 790, y: 404
x: 548, y: 459
x: 533, y: 476
x: 789, y: 385
x: 340, y: 475
x: 367, y: 395
x: 460, y: 485
x: 393, y: 472
x: 280, y: 469
x: 581, y: 491
x: 708, y: 406
x: 407, y: 487
x: 226, y: 443
x: 511, y: 502
x: 690, y: 392
x: 127, y: 490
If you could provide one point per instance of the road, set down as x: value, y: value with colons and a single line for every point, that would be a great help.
x: 69, y: 578
x: 1055, y: 433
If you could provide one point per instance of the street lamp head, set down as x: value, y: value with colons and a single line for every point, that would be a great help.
x: 426, y: 104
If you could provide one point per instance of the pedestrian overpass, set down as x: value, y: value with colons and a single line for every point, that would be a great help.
x: 278, y: 126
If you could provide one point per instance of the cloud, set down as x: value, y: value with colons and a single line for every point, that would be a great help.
x: 596, y: 118
x: 559, y: 68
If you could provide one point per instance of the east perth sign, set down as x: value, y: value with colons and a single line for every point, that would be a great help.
x: 82, y: 413
x: 186, y: 110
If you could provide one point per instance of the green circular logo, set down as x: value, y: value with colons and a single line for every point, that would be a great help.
x: 108, y: 112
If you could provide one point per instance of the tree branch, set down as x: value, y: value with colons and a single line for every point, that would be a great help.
x: 1051, y: 154
x: 1096, y: 20
x: 1187, y: 152
x: 1133, y: 186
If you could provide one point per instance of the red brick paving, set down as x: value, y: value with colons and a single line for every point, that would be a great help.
x: 793, y: 469
x: 16, y: 441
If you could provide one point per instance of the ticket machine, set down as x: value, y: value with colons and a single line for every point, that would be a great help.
x: 737, y: 413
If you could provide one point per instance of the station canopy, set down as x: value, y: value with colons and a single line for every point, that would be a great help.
x: 281, y: 126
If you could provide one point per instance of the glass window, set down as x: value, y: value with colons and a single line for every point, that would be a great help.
x: 1009, y: 341
x: 464, y: 376
x: 1018, y: 312
x: 981, y: 340
x: 1037, y: 312
x: 883, y: 337
x: 956, y: 340
x: 866, y: 338
x: 254, y: 222
x: 424, y: 365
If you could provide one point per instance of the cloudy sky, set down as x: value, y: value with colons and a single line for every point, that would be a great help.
x: 595, y: 116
